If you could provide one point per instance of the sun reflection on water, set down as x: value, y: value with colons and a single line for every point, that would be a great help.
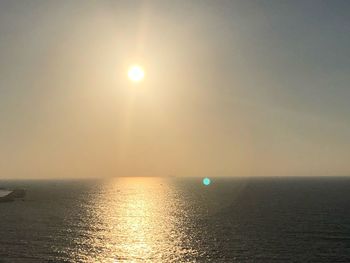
x: 134, y: 220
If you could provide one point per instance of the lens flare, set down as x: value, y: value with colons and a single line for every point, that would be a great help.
x: 206, y: 181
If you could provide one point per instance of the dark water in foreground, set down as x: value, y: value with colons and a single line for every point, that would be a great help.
x: 178, y: 220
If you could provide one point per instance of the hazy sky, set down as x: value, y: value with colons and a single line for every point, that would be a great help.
x: 232, y: 88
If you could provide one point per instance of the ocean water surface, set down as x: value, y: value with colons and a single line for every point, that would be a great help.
x: 178, y: 220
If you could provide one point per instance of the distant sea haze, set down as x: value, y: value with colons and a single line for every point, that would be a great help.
x: 178, y: 220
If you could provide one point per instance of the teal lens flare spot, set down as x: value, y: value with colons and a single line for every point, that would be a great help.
x: 206, y: 181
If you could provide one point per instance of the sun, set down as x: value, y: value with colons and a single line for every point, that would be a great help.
x: 136, y: 73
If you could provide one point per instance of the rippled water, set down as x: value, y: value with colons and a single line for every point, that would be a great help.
x: 178, y: 220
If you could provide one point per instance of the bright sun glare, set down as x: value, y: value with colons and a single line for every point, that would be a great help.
x: 136, y: 73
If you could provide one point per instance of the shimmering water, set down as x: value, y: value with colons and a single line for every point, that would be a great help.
x: 178, y: 220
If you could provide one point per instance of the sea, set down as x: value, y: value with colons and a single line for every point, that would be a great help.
x: 141, y: 219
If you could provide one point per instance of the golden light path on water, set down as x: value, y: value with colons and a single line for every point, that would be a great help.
x: 135, y: 220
